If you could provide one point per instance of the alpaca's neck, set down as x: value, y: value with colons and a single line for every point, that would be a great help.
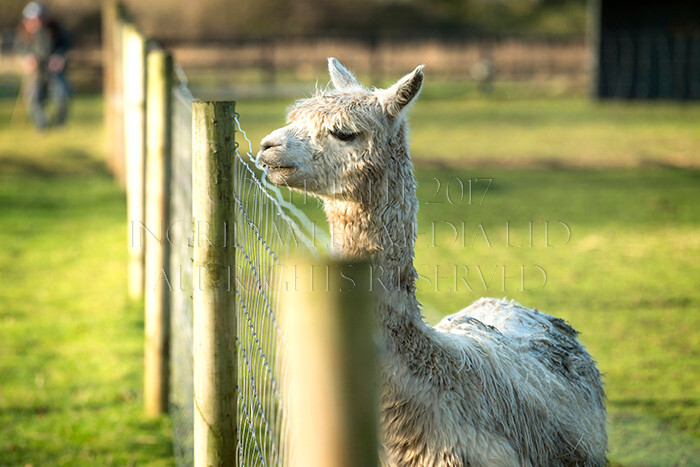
x: 386, y: 236
x: 382, y: 226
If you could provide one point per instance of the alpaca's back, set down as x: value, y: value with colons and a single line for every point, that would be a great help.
x: 551, y: 340
x: 535, y: 377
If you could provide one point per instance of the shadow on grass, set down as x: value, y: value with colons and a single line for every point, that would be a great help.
x: 69, y: 163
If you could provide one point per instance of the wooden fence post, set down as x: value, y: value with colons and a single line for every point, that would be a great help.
x: 332, y: 384
x: 114, y: 87
x: 134, y: 85
x: 157, y: 261
x: 214, y: 334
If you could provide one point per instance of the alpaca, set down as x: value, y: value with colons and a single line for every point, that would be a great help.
x: 495, y: 384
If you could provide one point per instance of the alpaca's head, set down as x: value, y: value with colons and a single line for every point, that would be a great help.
x: 339, y: 141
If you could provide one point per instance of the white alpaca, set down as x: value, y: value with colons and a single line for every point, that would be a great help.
x: 495, y: 384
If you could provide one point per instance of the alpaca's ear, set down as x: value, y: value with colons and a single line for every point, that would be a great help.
x: 340, y: 76
x: 397, y: 97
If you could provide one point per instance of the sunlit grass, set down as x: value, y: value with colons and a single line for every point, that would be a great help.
x: 572, y: 132
x: 70, y: 344
x: 628, y: 277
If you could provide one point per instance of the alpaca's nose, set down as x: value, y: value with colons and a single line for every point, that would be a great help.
x: 265, y: 146
x: 268, y: 143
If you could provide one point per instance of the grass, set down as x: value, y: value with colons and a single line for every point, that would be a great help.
x: 70, y: 343
x: 622, y: 178
x: 627, y: 278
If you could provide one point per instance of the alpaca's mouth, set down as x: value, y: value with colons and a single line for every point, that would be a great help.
x: 263, y: 165
x: 277, y: 173
x: 267, y: 164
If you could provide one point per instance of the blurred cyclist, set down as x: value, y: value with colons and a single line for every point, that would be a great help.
x: 42, y: 45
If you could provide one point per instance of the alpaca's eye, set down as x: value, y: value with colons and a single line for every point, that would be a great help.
x: 343, y: 136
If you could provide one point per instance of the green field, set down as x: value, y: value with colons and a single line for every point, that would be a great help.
x: 70, y: 344
x: 616, y: 184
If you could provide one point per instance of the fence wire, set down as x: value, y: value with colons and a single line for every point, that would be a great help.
x: 267, y: 227
x: 181, y: 261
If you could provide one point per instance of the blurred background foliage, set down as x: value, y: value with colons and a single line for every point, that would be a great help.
x: 179, y: 20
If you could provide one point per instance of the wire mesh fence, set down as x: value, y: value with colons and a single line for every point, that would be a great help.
x: 181, y: 267
x: 261, y: 415
x: 267, y: 227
